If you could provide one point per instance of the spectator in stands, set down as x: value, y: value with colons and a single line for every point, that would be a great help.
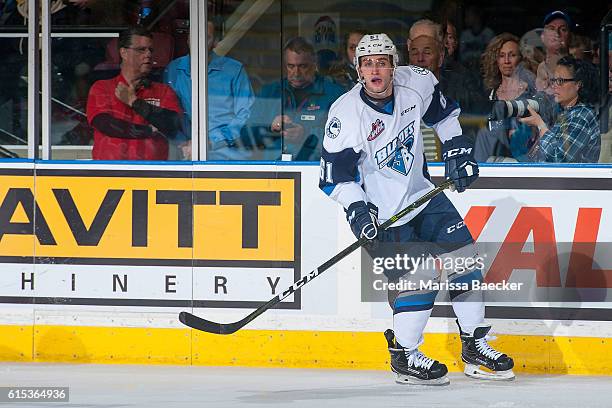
x: 506, y: 79
x: 426, y: 27
x: 556, y: 38
x: 575, y: 137
x: 344, y: 72
x: 474, y: 38
x: 426, y: 52
x: 293, y: 111
x: 455, y: 80
x: 133, y: 117
x: 596, y: 52
x: 606, y: 136
x: 230, y: 98
x: 581, y: 47
x: 532, y: 49
x: 450, y: 40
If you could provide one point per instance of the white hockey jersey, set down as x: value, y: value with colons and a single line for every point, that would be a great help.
x: 376, y: 156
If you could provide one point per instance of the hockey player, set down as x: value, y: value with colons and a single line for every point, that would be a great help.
x: 373, y: 165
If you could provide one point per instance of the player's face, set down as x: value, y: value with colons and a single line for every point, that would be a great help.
x: 377, y: 74
x: 138, y: 56
x: 508, y: 58
x: 301, y: 69
x: 351, y: 45
x: 425, y: 53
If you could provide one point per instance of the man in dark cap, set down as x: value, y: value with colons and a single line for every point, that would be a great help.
x: 555, y: 37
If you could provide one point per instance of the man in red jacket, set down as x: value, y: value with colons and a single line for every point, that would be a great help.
x: 133, y: 117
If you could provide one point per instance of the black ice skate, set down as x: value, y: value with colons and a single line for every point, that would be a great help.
x: 476, y: 353
x: 413, y: 367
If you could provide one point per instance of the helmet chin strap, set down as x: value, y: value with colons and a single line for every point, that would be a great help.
x: 373, y: 93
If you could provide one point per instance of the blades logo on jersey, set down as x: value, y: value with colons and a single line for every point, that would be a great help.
x: 377, y: 128
x: 397, y: 154
x: 333, y: 128
x: 402, y: 162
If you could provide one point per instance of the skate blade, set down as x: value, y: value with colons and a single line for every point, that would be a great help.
x: 474, y: 371
x: 407, y: 379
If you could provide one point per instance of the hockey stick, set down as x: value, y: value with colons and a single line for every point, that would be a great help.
x: 198, y: 323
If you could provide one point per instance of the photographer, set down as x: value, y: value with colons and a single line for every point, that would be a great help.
x: 574, y: 137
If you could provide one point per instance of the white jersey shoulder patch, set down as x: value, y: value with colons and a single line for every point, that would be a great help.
x: 333, y: 128
x: 342, y: 129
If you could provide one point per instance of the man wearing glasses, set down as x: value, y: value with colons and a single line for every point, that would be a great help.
x: 133, y: 117
x: 292, y: 111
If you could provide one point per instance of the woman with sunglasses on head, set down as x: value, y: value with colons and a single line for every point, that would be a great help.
x: 575, y: 136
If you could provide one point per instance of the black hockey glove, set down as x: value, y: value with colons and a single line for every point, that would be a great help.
x: 460, y: 165
x: 363, y: 219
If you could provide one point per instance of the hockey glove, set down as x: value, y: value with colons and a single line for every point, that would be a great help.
x: 363, y: 220
x: 460, y: 165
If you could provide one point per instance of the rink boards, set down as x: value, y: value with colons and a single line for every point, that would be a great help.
x: 98, y: 259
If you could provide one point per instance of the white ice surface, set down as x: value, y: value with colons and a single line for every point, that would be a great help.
x: 115, y: 386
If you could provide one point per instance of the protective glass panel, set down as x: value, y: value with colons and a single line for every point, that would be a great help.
x: 109, y: 100
x: 244, y: 57
x: 295, y: 81
x: 13, y: 95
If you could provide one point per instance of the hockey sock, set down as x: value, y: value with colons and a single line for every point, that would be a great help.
x: 468, y: 305
x: 409, y: 326
x: 470, y: 315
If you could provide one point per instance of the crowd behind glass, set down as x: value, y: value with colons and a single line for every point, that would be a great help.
x: 525, y: 97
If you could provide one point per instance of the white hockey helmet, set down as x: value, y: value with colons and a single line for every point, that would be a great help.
x: 376, y: 44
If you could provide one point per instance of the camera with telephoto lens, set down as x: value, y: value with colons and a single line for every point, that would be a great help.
x: 517, y: 108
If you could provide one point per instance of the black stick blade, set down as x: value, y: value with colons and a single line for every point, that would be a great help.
x: 198, y: 323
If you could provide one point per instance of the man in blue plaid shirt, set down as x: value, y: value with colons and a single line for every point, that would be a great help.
x: 575, y: 136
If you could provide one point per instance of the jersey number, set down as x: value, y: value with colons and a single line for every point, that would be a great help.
x: 325, y: 172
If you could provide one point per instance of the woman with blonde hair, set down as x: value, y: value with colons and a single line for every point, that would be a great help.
x: 506, y: 79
